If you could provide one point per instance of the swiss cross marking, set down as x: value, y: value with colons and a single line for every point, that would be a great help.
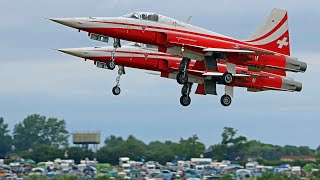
x: 283, y: 42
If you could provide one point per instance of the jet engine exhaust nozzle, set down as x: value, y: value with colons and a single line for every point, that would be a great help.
x: 296, y: 65
x: 291, y: 85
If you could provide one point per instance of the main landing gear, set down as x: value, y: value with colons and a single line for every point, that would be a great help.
x: 183, y: 79
x: 116, y: 89
x: 185, y: 99
x: 182, y: 76
x: 227, y: 79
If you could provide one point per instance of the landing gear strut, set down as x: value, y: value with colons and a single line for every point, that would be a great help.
x: 185, y: 99
x: 182, y: 76
x: 116, y: 89
x: 116, y: 44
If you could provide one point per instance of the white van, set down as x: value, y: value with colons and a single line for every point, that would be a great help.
x: 123, y: 160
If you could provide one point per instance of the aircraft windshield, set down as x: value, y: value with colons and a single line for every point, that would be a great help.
x: 143, y: 16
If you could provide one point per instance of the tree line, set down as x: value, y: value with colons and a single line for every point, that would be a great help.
x: 41, y: 139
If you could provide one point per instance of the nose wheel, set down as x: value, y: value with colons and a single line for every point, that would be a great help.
x: 116, y: 90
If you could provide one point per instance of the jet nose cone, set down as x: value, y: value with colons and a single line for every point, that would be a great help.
x: 71, y: 22
x: 72, y: 51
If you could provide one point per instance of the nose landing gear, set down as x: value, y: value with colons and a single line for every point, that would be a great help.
x: 116, y: 89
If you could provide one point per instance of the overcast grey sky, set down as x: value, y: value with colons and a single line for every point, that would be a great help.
x: 36, y: 79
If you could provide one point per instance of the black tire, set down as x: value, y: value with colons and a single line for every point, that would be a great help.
x: 111, y: 65
x: 185, y: 100
x: 116, y: 90
x: 226, y: 100
x: 182, y: 78
x: 227, y: 78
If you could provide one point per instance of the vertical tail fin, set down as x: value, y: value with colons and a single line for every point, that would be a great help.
x: 273, y: 33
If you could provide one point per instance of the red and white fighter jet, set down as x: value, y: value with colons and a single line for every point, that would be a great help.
x: 136, y: 55
x: 268, y: 49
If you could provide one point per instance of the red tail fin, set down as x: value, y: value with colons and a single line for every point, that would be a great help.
x: 273, y: 34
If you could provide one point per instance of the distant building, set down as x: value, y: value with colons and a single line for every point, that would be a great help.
x: 290, y: 158
x: 87, y: 138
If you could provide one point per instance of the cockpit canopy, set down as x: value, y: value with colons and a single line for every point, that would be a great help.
x: 149, y: 16
x: 144, y: 16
